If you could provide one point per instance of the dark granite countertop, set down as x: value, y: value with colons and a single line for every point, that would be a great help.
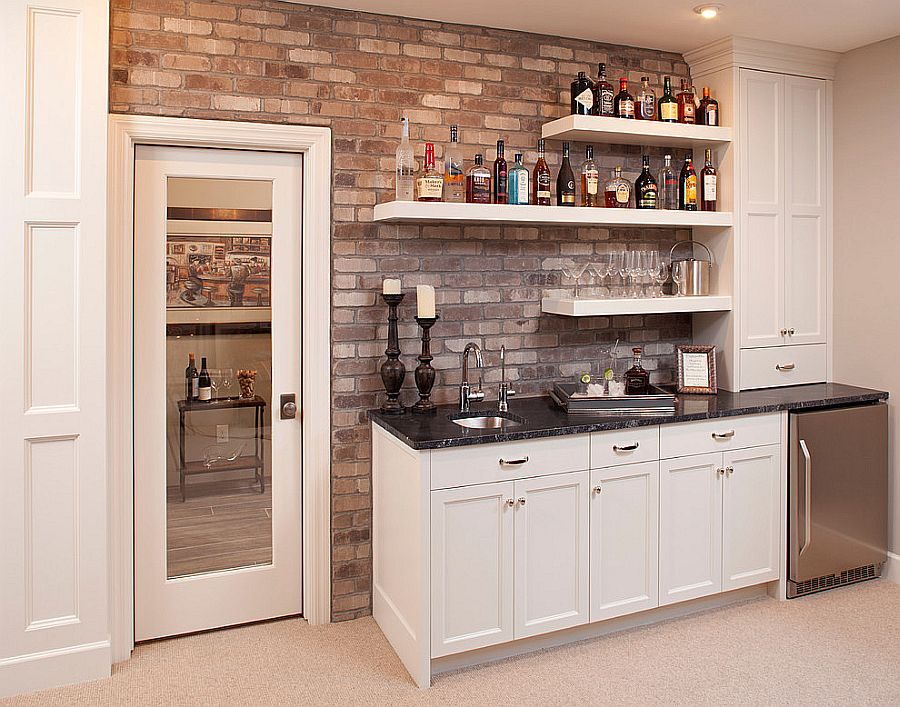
x: 544, y: 419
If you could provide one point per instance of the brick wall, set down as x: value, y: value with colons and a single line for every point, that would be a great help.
x: 275, y: 62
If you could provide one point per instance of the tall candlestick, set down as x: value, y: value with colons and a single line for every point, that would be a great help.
x: 393, y: 371
x: 425, y: 301
x: 424, y: 371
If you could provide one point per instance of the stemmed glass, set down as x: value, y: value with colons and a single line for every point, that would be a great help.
x: 601, y: 268
x: 226, y: 382
x: 660, y: 273
x: 633, y: 270
x: 574, y: 269
x: 617, y: 269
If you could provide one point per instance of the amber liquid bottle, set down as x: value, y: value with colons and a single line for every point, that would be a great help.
x: 590, y: 179
x: 623, y: 105
x: 687, y: 109
x: 637, y: 380
x: 687, y: 187
x: 541, y: 180
x: 604, y: 94
x: 708, y: 112
x: 709, y: 183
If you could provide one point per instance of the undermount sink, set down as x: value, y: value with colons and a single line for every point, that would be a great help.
x: 488, y: 420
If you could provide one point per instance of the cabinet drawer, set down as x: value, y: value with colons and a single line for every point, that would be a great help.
x: 783, y: 365
x: 721, y: 434
x: 484, y: 463
x: 628, y: 446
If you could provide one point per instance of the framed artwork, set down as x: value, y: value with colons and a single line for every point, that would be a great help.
x: 696, y: 370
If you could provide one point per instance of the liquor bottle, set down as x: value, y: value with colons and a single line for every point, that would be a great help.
x: 604, y: 95
x: 645, y: 106
x: 646, y: 193
x: 687, y: 109
x: 617, y: 192
x: 590, y: 179
x: 430, y: 184
x: 191, y: 380
x: 500, y: 176
x: 204, y: 383
x: 519, y: 179
x: 709, y: 182
x: 478, y: 183
x: 637, y: 380
x: 582, y: 95
x: 405, y: 166
x: 667, y: 183
x: 708, y: 112
x: 454, y: 172
x: 623, y: 105
x: 565, y: 181
x: 668, y: 104
x: 541, y: 178
x: 687, y: 186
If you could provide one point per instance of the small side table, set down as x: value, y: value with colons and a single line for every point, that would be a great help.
x: 254, y: 461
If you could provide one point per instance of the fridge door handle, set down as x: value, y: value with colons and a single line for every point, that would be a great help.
x: 807, y: 511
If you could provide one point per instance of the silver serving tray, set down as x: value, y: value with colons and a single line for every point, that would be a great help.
x: 657, y: 402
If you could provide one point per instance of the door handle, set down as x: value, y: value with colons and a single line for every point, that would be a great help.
x: 288, y: 406
x: 723, y: 435
x: 785, y: 366
x: 513, y: 462
x: 626, y: 448
x: 807, y: 511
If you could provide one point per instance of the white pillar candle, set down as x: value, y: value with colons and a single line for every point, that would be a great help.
x: 390, y: 286
x: 425, y: 301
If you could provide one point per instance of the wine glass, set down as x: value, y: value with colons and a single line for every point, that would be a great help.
x: 574, y: 269
x: 617, y: 269
x: 226, y: 382
x: 660, y: 273
x: 632, y: 271
x: 651, y: 263
x: 601, y: 268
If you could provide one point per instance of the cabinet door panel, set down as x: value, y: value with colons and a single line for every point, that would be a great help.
x: 690, y: 527
x: 624, y: 540
x: 751, y: 498
x: 552, y: 553
x: 471, y: 567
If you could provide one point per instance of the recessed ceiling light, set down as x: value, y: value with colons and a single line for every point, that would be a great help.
x: 708, y: 11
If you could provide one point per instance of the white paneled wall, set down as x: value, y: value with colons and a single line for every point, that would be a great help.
x: 53, y: 499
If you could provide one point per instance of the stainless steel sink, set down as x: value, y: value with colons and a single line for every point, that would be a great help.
x: 487, y: 420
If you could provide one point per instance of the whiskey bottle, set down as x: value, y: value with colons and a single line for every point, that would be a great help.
x: 708, y: 112
x: 617, y: 192
x: 541, y: 178
x: 709, y: 179
x: 500, y: 176
x: 623, y: 105
x: 637, y: 380
x: 405, y: 167
x: 430, y: 184
x: 668, y: 186
x: 565, y: 181
x: 687, y: 186
x: 604, y: 95
x: 582, y: 95
x: 191, y: 380
x: 646, y: 193
x: 687, y: 109
x: 454, y: 173
x: 590, y: 179
x: 645, y: 107
x: 668, y: 104
x: 519, y: 181
x: 478, y: 183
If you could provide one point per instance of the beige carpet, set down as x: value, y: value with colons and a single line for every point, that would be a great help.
x: 839, y: 647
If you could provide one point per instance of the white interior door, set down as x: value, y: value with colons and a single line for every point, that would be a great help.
x: 217, y: 253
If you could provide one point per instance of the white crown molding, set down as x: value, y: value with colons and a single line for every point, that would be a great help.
x: 747, y: 53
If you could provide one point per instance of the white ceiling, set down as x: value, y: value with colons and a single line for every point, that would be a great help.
x: 837, y: 25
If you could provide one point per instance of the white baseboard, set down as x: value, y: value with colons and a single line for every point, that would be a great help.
x: 891, y: 571
x: 64, y: 666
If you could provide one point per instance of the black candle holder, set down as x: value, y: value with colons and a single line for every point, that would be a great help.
x: 393, y: 371
x: 424, y: 371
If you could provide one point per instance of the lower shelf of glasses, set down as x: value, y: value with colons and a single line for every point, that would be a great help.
x: 581, y: 307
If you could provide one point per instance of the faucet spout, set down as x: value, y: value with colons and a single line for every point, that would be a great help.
x: 466, y: 394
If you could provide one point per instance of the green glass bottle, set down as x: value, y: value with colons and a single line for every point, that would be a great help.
x: 668, y: 104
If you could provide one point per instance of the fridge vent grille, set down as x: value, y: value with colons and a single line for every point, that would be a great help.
x: 819, y: 584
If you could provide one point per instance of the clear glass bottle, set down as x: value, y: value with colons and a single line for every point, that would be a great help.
x: 604, y: 94
x: 590, y: 179
x: 478, y: 183
x: 687, y: 186
x: 454, y: 170
x: 519, y: 180
x: 541, y: 178
x: 430, y: 184
x: 667, y: 183
x: 637, y: 380
x: 646, y: 193
x: 405, y: 167
x: 709, y: 182
x: 645, y: 105
x: 617, y: 191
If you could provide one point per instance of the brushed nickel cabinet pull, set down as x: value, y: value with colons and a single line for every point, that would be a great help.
x: 723, y: 435
x: 791, y: 331
x: 513, y: 462
x: 627, y: 447
x: 597, y: 489
x: 785, y: 366
x: 510, y: 502
x: 521, y: 501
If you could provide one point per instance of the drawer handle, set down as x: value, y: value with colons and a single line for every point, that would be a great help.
x: 785, y: 366
x: 521, y: 501
x: 510, y: 502
x: 723, y: 435
x: 626, y: 448
x: 513, y: 462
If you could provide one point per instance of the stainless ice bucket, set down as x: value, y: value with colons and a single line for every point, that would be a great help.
x: 690, y: 275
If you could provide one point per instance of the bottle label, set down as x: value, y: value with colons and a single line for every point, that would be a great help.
x: 622, y: 193
x: 205, y: 394
x: 690, y: 189
x: 566, y: 198
x: 195, y: 387
x: 648, y: 198
x: 709, y: 187
x: 712, y: 116
x: 592, y: 181
x: 626, y: 108
x: 585, y: 98
x: 689, y: 109
x: 522, y: 186
x: 607, y: 99
x: 430, y: 187
x: 668, y: 111
x: 648, y: 107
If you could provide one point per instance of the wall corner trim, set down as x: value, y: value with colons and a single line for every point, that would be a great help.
x: 747, y: 53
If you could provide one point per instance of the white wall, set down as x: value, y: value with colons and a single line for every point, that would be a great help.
x: 866, y: 234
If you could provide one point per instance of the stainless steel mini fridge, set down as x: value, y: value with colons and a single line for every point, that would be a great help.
x: 837, y: 497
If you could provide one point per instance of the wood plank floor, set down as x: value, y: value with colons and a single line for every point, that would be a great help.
x: 221, y: 525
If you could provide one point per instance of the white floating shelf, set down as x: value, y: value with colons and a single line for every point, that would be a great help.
x: 486, y: 214
x: 618, y: 131
x: 570, y: 307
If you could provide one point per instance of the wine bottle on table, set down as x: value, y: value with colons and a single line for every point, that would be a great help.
x: 565, y: 181
x: 204, y: 382
x: 191, y: 380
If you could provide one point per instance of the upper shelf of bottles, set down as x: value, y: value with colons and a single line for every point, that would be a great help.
x: 616, y: 131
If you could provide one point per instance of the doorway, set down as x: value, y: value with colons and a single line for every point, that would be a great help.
x: 217, y: 376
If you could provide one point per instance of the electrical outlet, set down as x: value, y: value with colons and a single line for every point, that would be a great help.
x: 221, y: 433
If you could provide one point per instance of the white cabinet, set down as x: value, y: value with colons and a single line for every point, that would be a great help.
x: 624, y: 540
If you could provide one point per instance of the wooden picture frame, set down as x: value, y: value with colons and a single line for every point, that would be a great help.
x: 696, y: 370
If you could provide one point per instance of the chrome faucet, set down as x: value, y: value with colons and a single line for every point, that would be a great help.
x: 505, y: 392
x: 466, y: 394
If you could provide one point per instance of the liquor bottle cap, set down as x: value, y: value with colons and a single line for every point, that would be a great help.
x: 518, y: 157
x: 636, y: 349
x: 645, y: 78
x: 582, y: 75
x: 479, y: 158
x: 541, y: 144
x: 589, y: 151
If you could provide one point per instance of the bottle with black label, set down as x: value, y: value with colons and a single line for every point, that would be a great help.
x: 637, y: 380
x: 204, y: 383
x: 645, y: 189
x: 191, y: 380
x: 501, y: 195
x: 565, y: 181
x: 582, y: 95
x: 604, y: 94
x: 541, y: 180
